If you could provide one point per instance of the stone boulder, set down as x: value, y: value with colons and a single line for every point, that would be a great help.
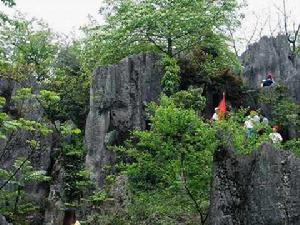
x: 259, y: 189
x: 3, y: 221
x: 272, y: 54
x: 118, y: 96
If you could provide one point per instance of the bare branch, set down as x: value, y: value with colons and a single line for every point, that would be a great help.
x: 16, y: 171
x: 285, y: 18
x: 7, y: 143
x: 263, y: 26
x: 233, y: 40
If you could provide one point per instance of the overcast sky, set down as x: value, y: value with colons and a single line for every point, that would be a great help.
x: 67, y: 16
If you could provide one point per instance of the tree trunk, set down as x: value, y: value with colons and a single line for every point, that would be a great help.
x: 170, y: 52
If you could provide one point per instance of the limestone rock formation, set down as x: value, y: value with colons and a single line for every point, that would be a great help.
x: 117, y: 100
x: 3, y: 221
x: 260, y: 189
x: 54, y: 209
x: 15, y: 145
x: 272, y: 54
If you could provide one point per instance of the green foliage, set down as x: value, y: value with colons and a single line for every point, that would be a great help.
x: 190, y: 99
x: 58, y: 93
x: 13, y: 198
x: 72, y: 83
x: 27, y: 50
x: 231, y: 133
x: 2, y: 102
x: 293, y: 145
x: 98, y: 197
x: 171, y: 79
x: 8, y: 124
x: 155, y: 208
x: 283, y: 111
x: 76, y: 177
x: 165, y: 26
x: 9, y: 3
x: 15, y: 203
x: 218, y: 56
x: 174, y: 156
x: 170, y: 165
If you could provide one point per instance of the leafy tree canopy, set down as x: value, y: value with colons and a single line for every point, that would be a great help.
x: 27, y: 49
x: 8, y: 2
x: 166, y: 26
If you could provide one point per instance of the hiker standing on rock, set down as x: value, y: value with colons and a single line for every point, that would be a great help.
x: 275, y: 136
x: 251, y: 120
x: 220, y: 111
x: 215, y: 116
x: 269, y: 80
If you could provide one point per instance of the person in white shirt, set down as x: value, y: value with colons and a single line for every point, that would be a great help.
x: 275, y: 136
x: 251, y: 121
x: 215, y: 116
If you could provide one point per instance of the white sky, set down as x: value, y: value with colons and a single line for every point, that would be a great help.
x: 67, y: 16
x: 265, y: 17
x: 63, y: 16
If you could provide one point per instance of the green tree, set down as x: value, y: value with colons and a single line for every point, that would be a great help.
x: 13, y: 198
x: 15, y: 178
x: 72, y: 83
x: 166, y: 26
x: 282, y: 111
x: 9, y: 3
x: 27, y: 50
x: 174, y: 157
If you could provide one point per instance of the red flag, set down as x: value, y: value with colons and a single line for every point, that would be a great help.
x: 222, y: 107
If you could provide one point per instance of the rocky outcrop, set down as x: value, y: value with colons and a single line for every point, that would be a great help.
x: 3, y: 221
x: 260, y: 189
x: 117, y: 101
x: 274, y: 55
x: 54, y: 209
x: 15, y: 145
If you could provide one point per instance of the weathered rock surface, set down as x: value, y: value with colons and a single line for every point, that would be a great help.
x: 16, y: 147
x: 54, y: 209
x: 260, y: 189
x: 117, y: 99
x: 274, y: 55
x: 3, y: 221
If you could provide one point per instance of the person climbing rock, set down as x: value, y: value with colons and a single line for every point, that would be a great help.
x: 269, y: 81
x: 250, y: 122
x: 70, y: 218
x: 275, y: 136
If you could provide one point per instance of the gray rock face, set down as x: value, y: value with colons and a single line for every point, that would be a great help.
x: 260, y: 189
x: 3, y: 221
x: 117, y: 99
x: 272, y: 55
x: 15, y: 146
x: 54, y: 209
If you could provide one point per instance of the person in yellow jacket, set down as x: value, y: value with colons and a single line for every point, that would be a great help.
x: 70, y: 217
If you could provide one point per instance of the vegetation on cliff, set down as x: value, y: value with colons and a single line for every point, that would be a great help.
x: 169, y: 165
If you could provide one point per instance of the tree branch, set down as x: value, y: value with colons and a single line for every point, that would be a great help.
x: 16, y: 171
x: 203, y: 217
